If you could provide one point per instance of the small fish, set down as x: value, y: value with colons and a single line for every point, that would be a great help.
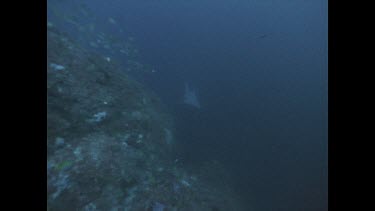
x: 57, y: 66
x: 49, y: 24
x: 112, y: 21
x: 261, y: 37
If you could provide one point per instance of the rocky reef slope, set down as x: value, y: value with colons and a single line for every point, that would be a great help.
x: 109, y: 142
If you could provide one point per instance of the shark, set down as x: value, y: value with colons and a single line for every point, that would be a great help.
x: 190, y: 97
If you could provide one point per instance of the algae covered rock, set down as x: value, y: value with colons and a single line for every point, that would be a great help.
x: 110, y: 142
x: 104, y: 132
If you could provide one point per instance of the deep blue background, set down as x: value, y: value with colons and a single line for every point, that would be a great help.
x: 260, y: 68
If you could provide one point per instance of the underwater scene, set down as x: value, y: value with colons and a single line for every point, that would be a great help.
x: 187, y: 105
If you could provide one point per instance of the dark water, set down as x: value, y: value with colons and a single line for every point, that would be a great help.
x: 260, y: 69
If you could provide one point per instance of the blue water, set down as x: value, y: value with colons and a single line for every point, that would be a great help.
x: 260, y: 68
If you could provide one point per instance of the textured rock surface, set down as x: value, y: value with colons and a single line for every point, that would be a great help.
x: 109, y: 142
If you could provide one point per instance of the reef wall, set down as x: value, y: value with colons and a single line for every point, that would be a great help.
x: 110, y: 143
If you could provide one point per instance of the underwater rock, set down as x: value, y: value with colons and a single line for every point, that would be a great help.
x: 158, y: 207
x: 115, y: 153
x: 110, y: 156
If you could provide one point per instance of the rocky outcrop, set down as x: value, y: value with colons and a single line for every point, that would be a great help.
x: 109, y: 142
